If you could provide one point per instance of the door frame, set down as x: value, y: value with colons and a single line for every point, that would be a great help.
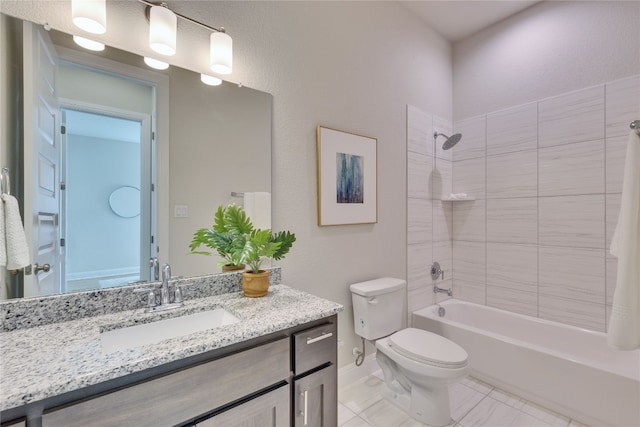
x: 159, y: 128
x: 147, y: 203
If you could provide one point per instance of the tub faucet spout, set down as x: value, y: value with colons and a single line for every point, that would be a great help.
x: 437, y: 290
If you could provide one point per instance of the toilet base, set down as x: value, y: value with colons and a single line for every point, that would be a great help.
x: 429, y: 406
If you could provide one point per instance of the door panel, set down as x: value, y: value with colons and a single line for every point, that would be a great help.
x: 42, y: 160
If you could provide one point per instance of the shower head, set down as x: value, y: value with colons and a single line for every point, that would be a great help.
x: 451, y: 140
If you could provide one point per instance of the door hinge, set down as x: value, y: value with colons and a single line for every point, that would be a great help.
x: 153, y: 187
x: 151, y: 239
x: 153, y: 136
x: 63, y: 185
x: 62, y: 242
x: 63, y: 130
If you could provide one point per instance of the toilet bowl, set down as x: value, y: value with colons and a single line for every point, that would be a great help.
x: 417, y: 365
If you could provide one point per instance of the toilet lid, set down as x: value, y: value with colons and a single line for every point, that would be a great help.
x: 427, y: 347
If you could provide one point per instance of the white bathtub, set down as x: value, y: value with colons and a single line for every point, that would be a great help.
x: 564, y: 368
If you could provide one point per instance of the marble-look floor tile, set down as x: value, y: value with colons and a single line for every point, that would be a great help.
x: 513, y: 129
x: 477, y: 385
x: 362, y: 394
x: 463, y: 399
x: 543, y: 414
x: 344, y: 414
x: 491, y: 412
x: 384, y: 414
x: 355, y: 422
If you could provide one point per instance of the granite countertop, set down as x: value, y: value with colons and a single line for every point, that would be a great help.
x: 45, y: 361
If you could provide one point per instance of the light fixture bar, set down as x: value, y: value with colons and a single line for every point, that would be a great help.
x: 186, y: 18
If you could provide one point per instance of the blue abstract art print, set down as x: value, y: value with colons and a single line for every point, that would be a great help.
x: 349, y: 178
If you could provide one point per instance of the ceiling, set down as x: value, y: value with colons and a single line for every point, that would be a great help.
x: 456, y: 20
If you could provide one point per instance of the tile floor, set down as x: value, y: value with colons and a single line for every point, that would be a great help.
x: 473, y: 404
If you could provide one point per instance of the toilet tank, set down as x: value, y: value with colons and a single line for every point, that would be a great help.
x: 378, y: 307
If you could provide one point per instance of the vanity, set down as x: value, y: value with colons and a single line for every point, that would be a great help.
x: 272, y: 364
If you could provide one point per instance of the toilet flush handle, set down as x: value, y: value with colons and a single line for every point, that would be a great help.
x: 373, y: 301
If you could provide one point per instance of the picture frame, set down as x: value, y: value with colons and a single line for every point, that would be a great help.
x: 347, y: 178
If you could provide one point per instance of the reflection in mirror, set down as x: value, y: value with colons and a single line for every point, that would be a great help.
x: 211, y: 141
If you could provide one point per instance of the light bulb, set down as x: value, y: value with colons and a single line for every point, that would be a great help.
x: 88, y: 44
x: 154, y: 63
x: 210, y: 80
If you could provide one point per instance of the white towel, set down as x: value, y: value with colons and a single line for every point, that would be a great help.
x: 15, y: 239
x: 3, y: 238
x: 258, y: 207
x: 624, y: 324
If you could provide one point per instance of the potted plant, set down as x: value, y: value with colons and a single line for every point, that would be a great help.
x: 230, y: 223
x: 259, y: 245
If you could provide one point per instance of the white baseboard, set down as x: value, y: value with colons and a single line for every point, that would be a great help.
x: 351, y: 373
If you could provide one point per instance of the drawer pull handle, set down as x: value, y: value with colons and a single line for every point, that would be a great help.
x: 305, y: 406
x: 322, y: 336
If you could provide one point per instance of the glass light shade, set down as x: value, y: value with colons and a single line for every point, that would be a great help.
x: 221, y: 53
x: 90, y: 15
x: 88, y: 44
x: 154, y: 63
x: 210, y: 80
x: 163, y: 24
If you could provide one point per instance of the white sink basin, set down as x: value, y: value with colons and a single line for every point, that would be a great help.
x: 149, y: 333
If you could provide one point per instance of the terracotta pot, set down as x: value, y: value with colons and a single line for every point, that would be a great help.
x: 230, y: 267
x: 255, y: 285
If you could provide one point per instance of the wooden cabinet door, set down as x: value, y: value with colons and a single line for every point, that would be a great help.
x: 268, y: 410
x: 316, y: 399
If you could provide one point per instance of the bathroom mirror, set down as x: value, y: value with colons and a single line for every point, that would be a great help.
x: 219, y: 142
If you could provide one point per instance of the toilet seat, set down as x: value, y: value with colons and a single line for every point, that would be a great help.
x: 428, y: 348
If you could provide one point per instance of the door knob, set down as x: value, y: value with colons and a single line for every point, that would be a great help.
x: 38, y: 268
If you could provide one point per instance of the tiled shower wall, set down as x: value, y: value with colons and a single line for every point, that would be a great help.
x: 429, y: 178
x: 546, y: 178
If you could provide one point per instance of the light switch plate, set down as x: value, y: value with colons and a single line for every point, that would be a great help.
x: 181, y: 211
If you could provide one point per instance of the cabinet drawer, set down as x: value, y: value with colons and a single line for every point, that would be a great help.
x: 314, y: 347
x: 183, y: 395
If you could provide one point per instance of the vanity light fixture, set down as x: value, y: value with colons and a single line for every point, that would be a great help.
x: 163, y: 29
x: 90, y: 15
x: 163, y: 25
x: 210, y: 80
x: 88, y: 43
x: 154, y: 63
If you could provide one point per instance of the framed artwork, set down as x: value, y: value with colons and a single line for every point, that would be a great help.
x: 347, y: 178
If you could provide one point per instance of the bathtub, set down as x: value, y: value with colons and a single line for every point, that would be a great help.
x: 564, y: 368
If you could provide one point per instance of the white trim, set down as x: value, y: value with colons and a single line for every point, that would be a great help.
x: 351, y: 373
x: 96, y: 274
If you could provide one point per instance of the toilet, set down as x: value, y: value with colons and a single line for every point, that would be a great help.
x: 418, y: 365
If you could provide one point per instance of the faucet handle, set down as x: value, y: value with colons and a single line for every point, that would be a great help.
x: 177, y: 295
x: 151, y: 293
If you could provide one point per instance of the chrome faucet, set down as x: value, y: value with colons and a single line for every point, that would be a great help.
x: 442, y: 291
x: 164, y: 292
x: 153, y: 262
x: 168, y: 298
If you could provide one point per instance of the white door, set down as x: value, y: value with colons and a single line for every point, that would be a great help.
x: 41, y: 162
